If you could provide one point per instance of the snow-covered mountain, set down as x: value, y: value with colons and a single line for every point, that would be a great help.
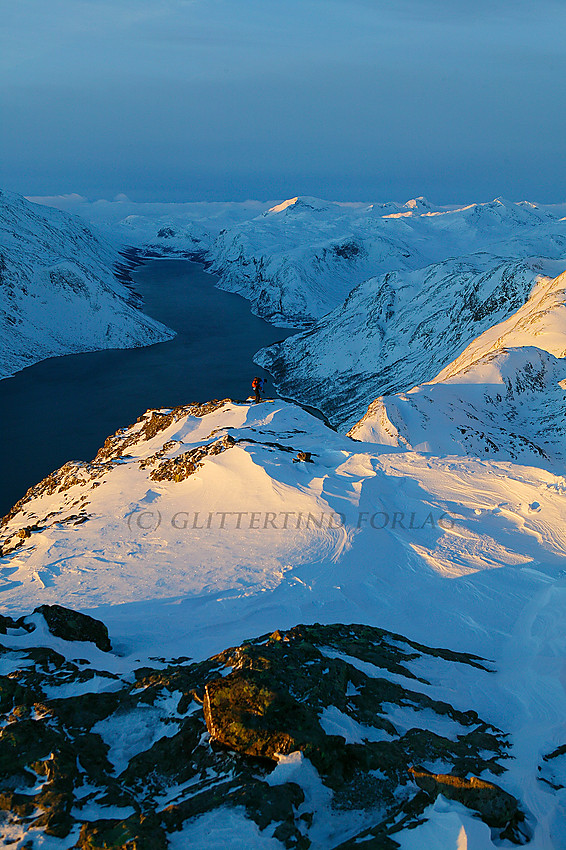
x: 400, y: 329
x: 503, y: 396
x: 175, y: 229
x: 301, y: 259
x: 509, y: 405
x: 59, y: 293
x: 198, y: 527
x: 437, y: 524
x: 297, y: 260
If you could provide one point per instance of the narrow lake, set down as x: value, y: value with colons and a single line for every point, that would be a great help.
x: 64, y: 408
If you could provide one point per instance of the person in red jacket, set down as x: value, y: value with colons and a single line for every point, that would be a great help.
x: 257, y: 385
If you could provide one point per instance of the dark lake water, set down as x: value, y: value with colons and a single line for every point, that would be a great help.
x: 64, y: 408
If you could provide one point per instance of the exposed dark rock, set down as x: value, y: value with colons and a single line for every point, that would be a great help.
x: 303, y: 456
x: 245, y: 712
x: 220, y: 726
x: 559, y: 751
x: 181, y: 466
x: 72, y: 625
x: 139, y: 832
x: 496, y: 807
x: 347, y: 250
x: 552, y: 771
x: 9, y: 623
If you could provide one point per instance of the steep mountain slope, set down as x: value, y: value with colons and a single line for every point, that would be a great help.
x: 299, y: 260
x: 58, y: 292
x: 398, y: 330
x: 194, y: 529
x: 510, y: 404
x: 502, y: 396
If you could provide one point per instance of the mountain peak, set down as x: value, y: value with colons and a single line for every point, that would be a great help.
x: 301, y: 202
x: 419, y: 203
x: 283, y: 206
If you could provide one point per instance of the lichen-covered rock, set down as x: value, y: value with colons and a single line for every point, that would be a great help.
x: 282, y: 686
x: 72, y: 625
x: 248, y: 713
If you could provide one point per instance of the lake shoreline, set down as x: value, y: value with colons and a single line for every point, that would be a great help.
x: 64, y: 407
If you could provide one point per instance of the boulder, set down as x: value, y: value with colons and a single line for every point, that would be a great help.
x: 8, y: 623
x: 72, y: 625
x: 496, y: 807
x: 247, y: 713
x: 138, y: 832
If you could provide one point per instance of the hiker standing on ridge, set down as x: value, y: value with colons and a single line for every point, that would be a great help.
x: 257, y: 385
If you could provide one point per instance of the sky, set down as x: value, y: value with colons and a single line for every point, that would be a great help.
x: 370, y: 100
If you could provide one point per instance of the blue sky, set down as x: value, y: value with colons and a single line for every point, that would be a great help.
x: 343, y: 99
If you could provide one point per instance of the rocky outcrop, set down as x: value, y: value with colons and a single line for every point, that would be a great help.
x: 139, y: 832
x: 63, y: 623
x: 495, y: 806
x: 151, y: 423
x: 256, y: 718
x: 72, y: 625
x: 81, y: 473
x: 552, y: 770
x: 9, y: 623
x: 343, y: 701
x: 181, y: 466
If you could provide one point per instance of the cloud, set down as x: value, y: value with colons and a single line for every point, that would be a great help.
x: 58, y: 200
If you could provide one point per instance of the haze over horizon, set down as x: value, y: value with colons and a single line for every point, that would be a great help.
x: 189, y: 100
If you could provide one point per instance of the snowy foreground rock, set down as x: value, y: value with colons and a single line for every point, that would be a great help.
x: 327, y: 736
x: 198, y: 528
x: 58, y: 290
